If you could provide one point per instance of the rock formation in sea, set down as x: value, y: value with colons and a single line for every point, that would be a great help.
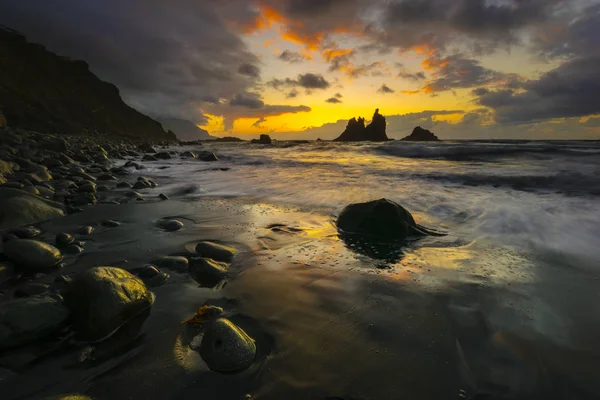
x: 264, y: 139
x: 421, y: 135
x: 46, y: 93
x: 226, y: 139
x: 184, y: 130
x: 356, y: 131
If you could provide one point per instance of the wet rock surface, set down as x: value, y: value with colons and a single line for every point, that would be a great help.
x: 207, y: 272
x: 32, y: 255
x: 227, y: 348
x: 102, y: 299
x: 216, y: 251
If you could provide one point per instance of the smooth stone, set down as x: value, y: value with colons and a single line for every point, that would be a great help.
x: 141, y: 185
x: 102, y: 299
x: 207, y: 156
x: 32, y: 255
x: 216, y: 251
x: 227, y: 348
x: 31, y: 289
x: 26, y: 232
x: 133, y: 194
x: 149, y: 157
x: 30, y: 319
x: 9, y: 236
x: 111, y: 223
x: 103, y: 188
x: 170, y: 225
x: 152, y: 276
x: 70, y: 396
x: 175, y: 263
x: 44, y: 191
x: 207, y: 272
x: 32, y: 190
x: 72, y: 249
x: 21, y: 208
x: 163, y: 196
x: 124, y: 185
x: 85, y: 230
x: 163, y: 155
x: 88, y: 188
x: 64, y: 239
x: 83, y: 199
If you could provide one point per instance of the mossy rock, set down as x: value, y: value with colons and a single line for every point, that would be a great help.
x: 102, y: 299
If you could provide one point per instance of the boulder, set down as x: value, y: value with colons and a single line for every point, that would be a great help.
x: 227, y: 348
x: 32, y: 255
x: 264, y: 139
x: 21, y: 208
x: 216, y: 251
x: 170, y: 225
x: 174, y: 263
x: 381, y: 219
x: 30, y: 319
x: 189, y: 154
x: 152, y: 276
x: 7, y: 270
x: 421, y: 135
x: 64, y: 239
x: 207, y: 156
x: 149, y: 157
x: 207, y: 272
x: 102, y: 299
x: 163, y: 155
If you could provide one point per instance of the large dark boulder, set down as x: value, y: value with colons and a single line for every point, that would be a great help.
x: 102, y: 299
x: 356, y: 131
x: 227, y: 348
x: 421, y: 135
x: 18, y: 207
x: 380, y: 219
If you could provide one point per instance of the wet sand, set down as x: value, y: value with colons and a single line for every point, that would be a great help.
x: 330, y: 322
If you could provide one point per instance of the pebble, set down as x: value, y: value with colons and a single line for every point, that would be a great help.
x: 171, y: 225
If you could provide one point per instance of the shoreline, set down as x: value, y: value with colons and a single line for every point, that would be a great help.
x: 328, y: 321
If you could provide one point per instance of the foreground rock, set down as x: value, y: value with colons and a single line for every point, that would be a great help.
x: 227, y: 348
x: 207, y: 272
x: 380, y: 219
x: 264, y: 139
x: 174, y: 263
x: 102, y: 299
x: 32, y: 255
x: 21, y: 208
x: 216, y: 251
x: 170, y: 225
x: 356, y: 131
x: 28, y: 320
x: 421, y: 135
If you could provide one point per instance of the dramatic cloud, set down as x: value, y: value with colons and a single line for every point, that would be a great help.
x: 292, y: 94
x: 571, y: 90
x: 307, y: 81
x: 385, y: 89
x: 249, y: 70
x: 248, y: 100
x: 292, y: 57
x: 166, y: 57
x: 333, y: 100
x: 258, y: 123
x: 412, y: 76
x: 456, y: 72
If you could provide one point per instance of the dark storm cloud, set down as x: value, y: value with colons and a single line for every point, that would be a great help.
x: 249, y: 70
x: 385, y: 89
x: 571, y: 90
x: 313, y: 81
x: 292, y: 57
x: 456, y: 72
x: 333, y: 100
x: 248, y: 100
x: 167, y: 58
x: 306, y: 81
x: 436, y: 23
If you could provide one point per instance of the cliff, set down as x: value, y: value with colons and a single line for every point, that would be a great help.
x: 356, y: 131
x: 43, y: 92
x: 184, y: 130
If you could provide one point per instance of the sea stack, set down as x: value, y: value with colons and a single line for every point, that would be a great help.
x: 356, y: 131
x: 421, y: 135
x: 264, y: 139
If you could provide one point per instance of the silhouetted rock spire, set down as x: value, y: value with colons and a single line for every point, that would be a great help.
x: 356, y: 131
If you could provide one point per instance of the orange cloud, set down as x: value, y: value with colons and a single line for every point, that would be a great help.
x: 433, y: 63
x: 330, y: 54
x: 411, y: 92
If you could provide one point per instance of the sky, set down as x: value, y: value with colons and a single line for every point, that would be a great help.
x: 299, y: 69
